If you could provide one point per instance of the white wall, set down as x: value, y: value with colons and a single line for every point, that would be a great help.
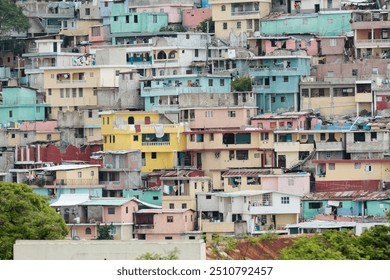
x: 105, y: 249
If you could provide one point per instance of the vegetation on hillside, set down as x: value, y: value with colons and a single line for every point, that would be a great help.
x: 26, y: 215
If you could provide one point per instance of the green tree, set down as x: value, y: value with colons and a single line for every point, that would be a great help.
x: 373, y: 244
x: 242, y: 84
x: 376, y: 243
x: 104, y: 232
x: 12, y: 18
x: 26, y: 215
x: 202, y: 27
x: 172, y: 255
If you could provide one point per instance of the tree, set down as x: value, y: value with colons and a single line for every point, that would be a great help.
x: 26, y: 215
x: 242, y: 84
x: 172, y: 255
x: 12, y: 18
x: 202, y: 27
x: 104, y: 232
x: 373, y: 244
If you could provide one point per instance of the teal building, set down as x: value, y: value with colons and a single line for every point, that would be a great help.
x: 147, y: 196
x: 322, y: 24
x: 275, y: 80
x: 348, y: 203
x: 19, y: 104
x: 123, y: 24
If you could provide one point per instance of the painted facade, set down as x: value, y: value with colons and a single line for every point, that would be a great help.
x: 161, y: 144
x: 276, y: 81
x: 21, y: 104
x: 165, y: 224
x: 260, y: 210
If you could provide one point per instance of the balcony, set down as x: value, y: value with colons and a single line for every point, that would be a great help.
x: 374, y: 43
x: 273, y: 71
x: 330, y: 146
x: 366, y: 25
x: 144, y: 229
x: 370, y: 146
x: 156, y: 144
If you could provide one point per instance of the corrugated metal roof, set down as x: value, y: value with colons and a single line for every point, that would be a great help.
x: 106, y: 201
x: 322, y: 224
x: 245, y: 173
x: 70, y: 200
x: 349, y: 195
x: 162, y: 211
x: 64, y: 167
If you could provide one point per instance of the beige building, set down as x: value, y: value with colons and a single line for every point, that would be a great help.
x: 238, y: 19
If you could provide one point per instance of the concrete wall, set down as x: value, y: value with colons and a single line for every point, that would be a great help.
x: 105, y: 249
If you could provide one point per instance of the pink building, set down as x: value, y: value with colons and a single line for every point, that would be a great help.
x: 193, y: 17
x: 292, y: 183
x: 96, y: 34
x: 223, y: 117
x: 285, y: 121
x: 163, y: 224
x: 270, y: 45
x: 83, y: 215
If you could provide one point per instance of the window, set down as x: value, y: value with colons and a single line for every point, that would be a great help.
x: 116, y: 18
x: 154, y: 155
x: 184, y: 205
x: 10, y: 114
x: 285, y: 79
x: 239, y: 25
x: 210, y: 82
x: 368, y: 168
x: 332, y: 166
x: 224, y: 25
x: 358, y: 165
x: 209, y: 114
x: 196, y: 52
x: 332, y: 42
x: 48, y: 137
x: 127, y: 19
x: 135, y: 138
x: 242, y: 155
x: 111, y: 210
x: 79, y: 174
x: 315, y: 205
x: 136, y: 19
x: 74, y: 92
x: 168, y: 237
x: 282, y: 99
x: 61, y: 92
x: 222, y: 82
x: 13, y: 135
x: 223, y: 8
x: 231, y: 114
x: 88, y: 231
x: 264, y: 136
x: 285, y: 200
x: 49, y: 91
x: 87, y: 11
x: 211, y: 137
x: 171, y: 206
x: 154, y: 19
x: 25, y: 135
x: 208, y: 196
x: 169, y: 219
x: 354, y: 72
x: 155, y: 197
x: 80, y: 92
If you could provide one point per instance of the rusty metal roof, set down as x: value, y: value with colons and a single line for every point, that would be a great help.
x: 246, y: 173
x: 349, y: 195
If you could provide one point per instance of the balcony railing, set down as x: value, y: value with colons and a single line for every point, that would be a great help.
x: 157, y: 144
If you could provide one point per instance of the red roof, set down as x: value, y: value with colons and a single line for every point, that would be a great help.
x: 245, y: 173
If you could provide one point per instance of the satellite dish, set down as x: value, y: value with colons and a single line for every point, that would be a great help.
x: 66, y: 76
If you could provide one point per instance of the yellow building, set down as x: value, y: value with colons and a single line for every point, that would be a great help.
x: 160, y: 141
x: 238, y: 16
x: 72, y: 88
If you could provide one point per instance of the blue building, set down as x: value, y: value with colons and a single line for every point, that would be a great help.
x: 18, y: 104
x: 275, y: 80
